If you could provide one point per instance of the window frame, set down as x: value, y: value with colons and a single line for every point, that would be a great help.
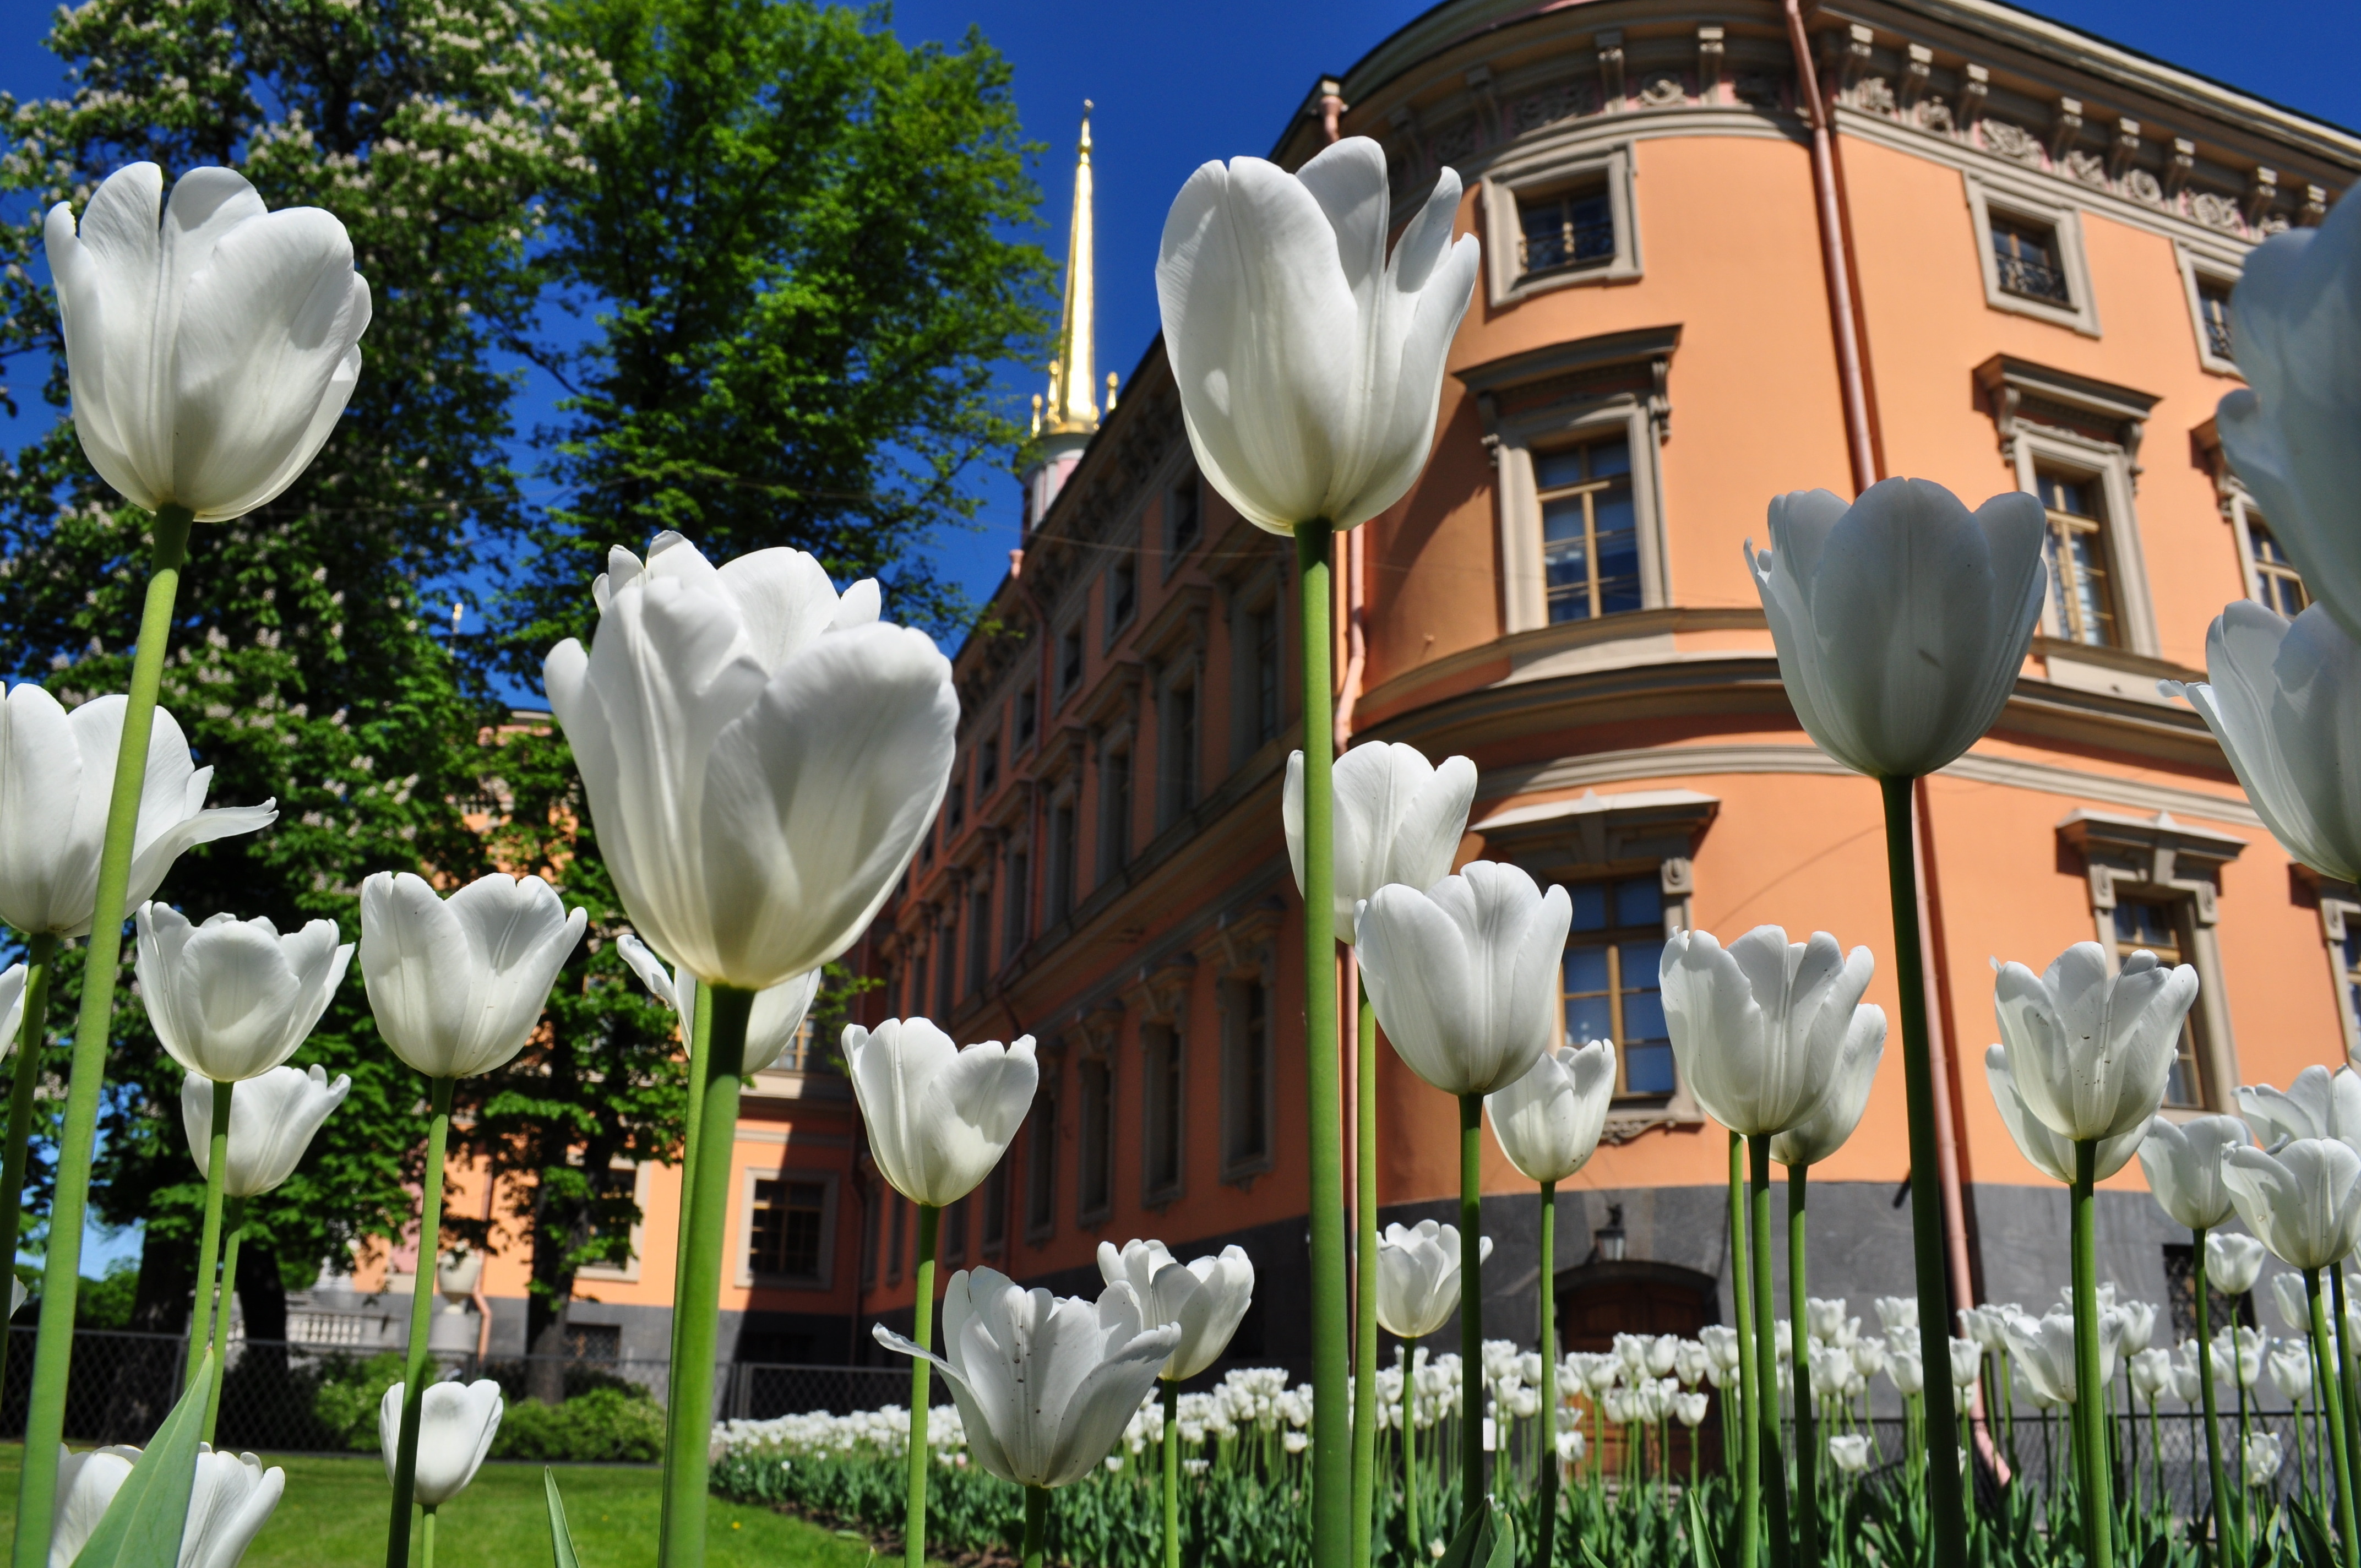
x: 2179, y: 912
x: 1163, y: 1096
x: 1176, y: 545
x: 2199, y: 266
x: 1095, y: 1208
x: 831, y: 1182
x: 2109, y: 466
x: 1041, y: 1194
x: 2063, y: 564
x: 2244, y: 518
x: 1613, y: 937
x: 629, y: 1273
x: 2340, y: 917
x: 1239, y: 1168
x: 1989, y: 195
x: 1180, y: 744
x: 1524, y: 586
x: 1119, y: 616
x: 1538, y: 175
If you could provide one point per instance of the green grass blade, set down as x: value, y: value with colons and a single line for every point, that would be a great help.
x: 560, y: 1540
x: 141, y: 1528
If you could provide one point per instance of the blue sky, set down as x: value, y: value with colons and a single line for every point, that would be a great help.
x: 1177, y: 81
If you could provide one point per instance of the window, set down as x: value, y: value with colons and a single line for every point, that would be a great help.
x: 1590, y: 535
x: 1264, y: 710
x: 1070, y: 661
x: 926, y: 979
x: 979, y: 938
x: 1015, y: 913
x: 995, y: 1210
x: 946, y: 969
x: 1041, y: 1167
x: 2213, y: 316
x: 987, y: 769
x: 1094, y: 1137
x: 2277, y: 582
x: 790, y: 1222
x: 1029, y: 717
x: 898, y: 1240
x: 1245, y: 1076
x: 2026, y: 256
x: 1163, y: 1093
x: 600, y: 1344
x: 2155, y: 925
x: 2180, y: 1294
x: 1183, y: 516
x: 958, y: 801
x: 1123, y: 597
x: 2348, y: 965
x: 1179, y: 752
x: 1065, y: 846
x: 870, y: 1213
x: 1571, y: 229
x: 2210, y: 275
x: 954, y: 1237
x: 616, y: 1199
x: 2081, y: 593
x: 1610, y: 990
x: 1114, y: 811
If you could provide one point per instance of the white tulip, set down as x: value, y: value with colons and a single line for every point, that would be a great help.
x: 1548, y: 1122
x: 211, y: 347
x: 2051, y: 1155
x: 2281, y: 696
x: 2239, y: 1353
x: 939, y: 1118
x: 2139, y: 1324
x: 1206, y: 1299
x: 1901, y: 619
x: 761, y: 755
x: 2302, y: 1200
x: 2296, y: 316
x: 771, y: 1026
x: 1690, y: 1410
x: 12, y: 1008
x: 2151, y: 1374
x: 2290, y: 1364
x: 2233, y: 1262
x: 1851, y: 1453
x: 2182, y: 1161
x: 458, y: 985
x: 457, y: 1424
x: 1398, y: 818
x: 2294, y: 1305
x: 2264, y: 1457
x: 57, y: 775
x: 1418, y: 1278
x: 2042, y: 1350
x: 1760, y: 1028
x: 231, y: 999
x: 1967, y: 1362
x: 2091, y: 1051
x: 1896, y: 1314
x: 1464, y: 976
x: 1824, y: 1131
x: 273, y: 1120
x: 1044, y: 1385
x: 1908, y: 1368
x: 230, y: 1499
x: 2318, y: 1104
x: 1309, y: 359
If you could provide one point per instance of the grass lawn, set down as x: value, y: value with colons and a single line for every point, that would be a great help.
x: 333, y: 1515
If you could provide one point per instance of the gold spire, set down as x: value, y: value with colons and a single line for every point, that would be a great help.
x: 1071, y: 410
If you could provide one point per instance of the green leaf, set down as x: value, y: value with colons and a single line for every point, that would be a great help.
x: 141, y: 1528
x: 560, y: 1540
x: 1485, y: 1540
x: 2311, y: 1542
x: 1700, y: 1543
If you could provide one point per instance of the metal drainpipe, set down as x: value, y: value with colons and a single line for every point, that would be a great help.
x: 1829, y: 197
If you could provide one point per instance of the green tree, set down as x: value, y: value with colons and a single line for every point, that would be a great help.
x: 307, y: 666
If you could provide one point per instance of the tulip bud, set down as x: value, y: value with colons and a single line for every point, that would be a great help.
x: 1206, y: 1299
x: 231, y: 999
x: 2091, y: 1050
x: 1464, y: 976
x: 273, y: 1120
x: 1418, y: 1278
x: 456, y: 1424
x: 1760, y: 1028
x: 458, y: 985
x: 1548, y: 1122
x: 939, y: 1118
x: 1398, y: 818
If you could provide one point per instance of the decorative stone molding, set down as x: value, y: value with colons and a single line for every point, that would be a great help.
x: 2149, y: 851
x: 1610, y: 44
x: 1239, y: 941
x: 1594, y: 832
x: 1917, y: 76
x: 2315, y: 207
x: 1860, y: 48
x: 2124, y: 149
x: 2262, y: 190
x: 2179, y: 165
x: 1099, y: 1027
x: 2064, y: 128
x: 2022, y: 394
x: 1975, y: 86
x: 1160, y: 994
x: 1710, y: 58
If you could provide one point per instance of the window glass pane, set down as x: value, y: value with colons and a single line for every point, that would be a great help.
x: 1585, y: 970
x: 1609, y: 457
x: 1640, y: 901
x: 1648, y: 1069
x: 1618, y: 551
x: 1588, y: 1018
x: 2062, y: 494
x: 1593, y: 219
x: 1589, y: 906
x: 1554, y: 470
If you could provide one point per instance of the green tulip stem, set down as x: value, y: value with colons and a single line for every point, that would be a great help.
x: 1808, y: 1490
x: 422, y: 1297
x: 1750, y: 1390
x: 1331, y: 1318
x: 2226, y: 1509
x: 32, y: 1038
x: 1365, y: 1269
x: 426, y: 1539
x: 201, y: 1315
x: 234, y: 1226
x: 2345, y: 1376
x: 1766, y: 1357
x: 1471, y: 1308
x: 1545, y: 1547
x: 2333, y: 1398
x: 922, y: 1328
x: 1036, y: 1522
x: 1171, y: 1473
x: 2097, y: 1475
x: 689, y: 1421
x: 1947, y: 1508
x: 45, y: 1413
x: 1413, y: 1549
x: 696, y: 1028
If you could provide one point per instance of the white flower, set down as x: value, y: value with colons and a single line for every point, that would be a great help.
x: 1309, y: 360
x: 1205, y: 1297
x: 2139, y: 1324
x: 2151, y: 1374
x: 771, y: 1028
x: 1760, y: 1028
x: 1851, y: 1453
x: 2264, y: 1457
x: 1464, y: 976
x: 1548, y: 1122
x: 1824, y: 1131
x: 1896, y: 1313
x: 12, y: 1008
x: 1044, y: 1385
x: 1967, y: 1362
x: 1908, y: 1368
x: 2290, y: 1365
x: 2051, y: 1155
x: 273, y: 1120
x: 2042, y: 1351
x: 2233, y: 1262
x: 1398, y: 818
x: 2318, y: 1104
x: 939, y: 1118
x: 2182, y: 1161
x: 1418, y: 1278
x: 230, y: 1499
x: 209, y: 356
x: 2302, y: 1200
x: 57, y: 772
x: 1902, y: 619
x: 2091, y: 1051
x: 457, y: 1424
x: 458, y: 985
x: 761, y: 756
x: 231, y: 999
x: 2284, y: 699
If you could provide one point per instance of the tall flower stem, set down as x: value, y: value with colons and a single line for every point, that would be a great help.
x: 2333, y: 1398
x: 1036, y: 1520
x: 1766, y: 1357
x: 2226, y: 1532
x: 922, y: 1328
x: 2097, y: 1475
x: 234, y: 1223
x: 32, y: 1038
x: 1947, y: 1524
x: 696, y: 1033
x: 201, y: 1315
x: 1365, y: 1269
x: 689, y: 1421
x: 1413, y: 1549
x: 2345, y: 1380
x: 1807, y: 1451
x: 1750, y: 1371
x: 1471, y: 1306
x: 45, y: 1413
x: 1331, y: 1439
x: 1548, y: 1542
x: 421, y: 1294
x: 1171, y: 1474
